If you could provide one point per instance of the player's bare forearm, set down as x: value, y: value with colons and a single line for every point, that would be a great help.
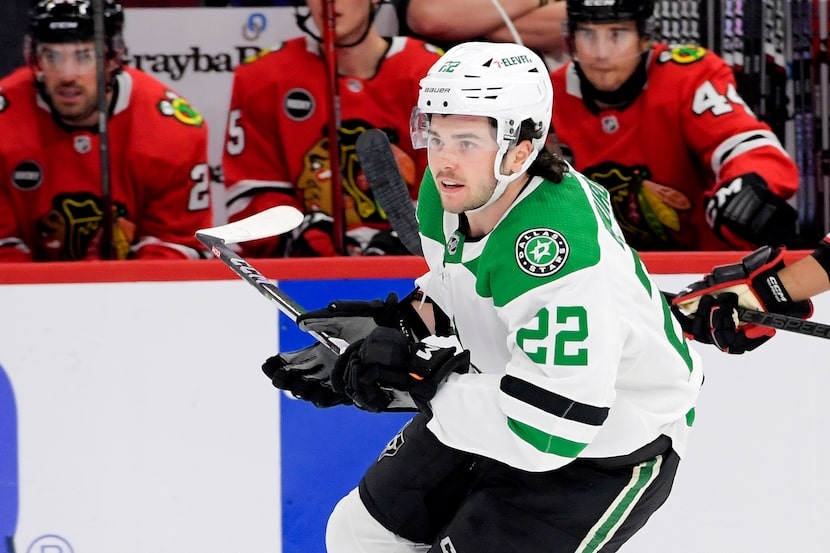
x: 804, y: 279
x: 541, y: 29
x: 462, y: 20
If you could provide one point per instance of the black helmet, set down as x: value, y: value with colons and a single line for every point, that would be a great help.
x: 601, y: 11
x: 59, y: 21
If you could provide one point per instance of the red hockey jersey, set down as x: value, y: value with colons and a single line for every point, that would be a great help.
x: 276, y: 145
x: 50, y: 175
x: 688, y: 131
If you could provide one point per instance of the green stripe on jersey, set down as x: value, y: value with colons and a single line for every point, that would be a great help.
x: 643, y: 475
x: 544, y: 442
x: 678, y: 343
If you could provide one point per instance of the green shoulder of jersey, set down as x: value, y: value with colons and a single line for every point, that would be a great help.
x: 551, y: 231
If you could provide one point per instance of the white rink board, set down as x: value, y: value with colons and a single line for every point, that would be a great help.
x: 144, y: 422
x: 754, y: 478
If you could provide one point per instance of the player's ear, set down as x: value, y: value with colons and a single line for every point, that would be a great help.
x: 516, y: 156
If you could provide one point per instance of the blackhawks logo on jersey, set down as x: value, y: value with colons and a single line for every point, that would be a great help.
x: 682, y: 55
x: 177, y: 107
x: 541, y: 251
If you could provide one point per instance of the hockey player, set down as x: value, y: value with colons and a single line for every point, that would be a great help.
x: 51, y: 198
x: 554, y: 419
x: 688, y: 165
x: 277, y: 149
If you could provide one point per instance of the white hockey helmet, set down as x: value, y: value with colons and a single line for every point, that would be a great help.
x: 504, y: 81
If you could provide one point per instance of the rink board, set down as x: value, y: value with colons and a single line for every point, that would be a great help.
x: 134, y: 417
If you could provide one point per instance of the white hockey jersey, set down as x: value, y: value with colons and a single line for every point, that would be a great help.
x: 575, y: 352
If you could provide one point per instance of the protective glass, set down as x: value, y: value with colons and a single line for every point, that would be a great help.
x: 66, y: 58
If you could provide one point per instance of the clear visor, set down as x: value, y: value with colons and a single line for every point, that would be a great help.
x: 465, y: 140
x: 418, y: 127
x: 66, y: 58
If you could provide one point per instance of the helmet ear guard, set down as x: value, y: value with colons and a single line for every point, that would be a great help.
x: 505, y: 82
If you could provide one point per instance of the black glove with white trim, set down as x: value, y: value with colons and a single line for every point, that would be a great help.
x: 385, y: 370
x: 745, y: 213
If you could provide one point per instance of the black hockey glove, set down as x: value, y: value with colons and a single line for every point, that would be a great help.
x: 706, y: 309
x: 374, y: 371
x: 306, y: 372
x: 313, y: 238
x: 385, y: 242
x: 746, y: 214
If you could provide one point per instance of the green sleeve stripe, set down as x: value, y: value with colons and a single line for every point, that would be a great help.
x: 545, y: 442
x: 677, y: 343
x: 640, y: 271
x: 680, y: 345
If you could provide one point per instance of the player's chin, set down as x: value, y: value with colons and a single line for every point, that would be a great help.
x: 74, y: 114
x: 452, y: 206
x: 604, y: 81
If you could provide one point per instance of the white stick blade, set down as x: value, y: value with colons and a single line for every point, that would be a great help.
x: 271, y: 222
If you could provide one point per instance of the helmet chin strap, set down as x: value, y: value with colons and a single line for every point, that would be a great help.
x: 502, y: 181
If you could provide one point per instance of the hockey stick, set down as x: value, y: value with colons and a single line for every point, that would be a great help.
x: 389, y: 188
x: 105, y: 250
x: 774, y: 320
x: 333, y: 98
x: 271, y: 222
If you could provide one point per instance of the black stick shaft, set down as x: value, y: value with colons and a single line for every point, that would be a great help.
x: 775, y: 320
x: 252, y: 276
x: 389, y: 188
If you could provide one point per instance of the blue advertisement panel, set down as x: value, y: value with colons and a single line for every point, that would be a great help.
x: 326, y: 451
x: 8, y: 464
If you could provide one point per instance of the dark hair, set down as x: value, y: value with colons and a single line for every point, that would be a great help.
x: 550, y: 163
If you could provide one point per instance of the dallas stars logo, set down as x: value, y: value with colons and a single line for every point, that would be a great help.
x: 395, y: 444
x: 541, y: 251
